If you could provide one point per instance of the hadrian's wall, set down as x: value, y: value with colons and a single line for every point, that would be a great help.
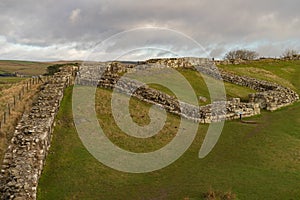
x: 239, y: 61
x: 103, y: 76
x: 26, y: 153
x: 270, y: 96
x: 203, y: 114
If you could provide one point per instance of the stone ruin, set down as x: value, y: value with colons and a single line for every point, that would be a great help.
x: 269, y: 96
x: 25, y: 156
x: 239, y: 61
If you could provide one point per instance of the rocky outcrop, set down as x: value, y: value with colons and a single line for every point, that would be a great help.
x: 26, y: 153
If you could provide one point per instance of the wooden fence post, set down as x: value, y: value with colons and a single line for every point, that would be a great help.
x: 8, y: 106
x: 4, y: 118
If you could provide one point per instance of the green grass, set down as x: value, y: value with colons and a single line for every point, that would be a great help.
x: 199, y: 86
x: 28, y: 68
x: 10, y: 80
x: 254, y: 161
x: 282, y: 72
x: 6, y: 82
x: 23, y: 67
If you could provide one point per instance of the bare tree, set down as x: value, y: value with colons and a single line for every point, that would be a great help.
x: 243, y: 54
x: 290, y: 54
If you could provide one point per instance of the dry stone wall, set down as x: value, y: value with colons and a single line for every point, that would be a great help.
x: 24, y: 159
x: 204, y: 114
x: 101, y: 75
x: 270, y: 96
x: 25, y: 156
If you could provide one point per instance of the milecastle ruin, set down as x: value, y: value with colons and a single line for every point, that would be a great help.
x: 25, y: 156
x: 269, y: 96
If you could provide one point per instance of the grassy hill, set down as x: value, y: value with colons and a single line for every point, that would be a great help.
x: 26, y: 67
x: 285, y: 73
x: 198, y: 84
x: 23, y: 67
x: 254, y: 161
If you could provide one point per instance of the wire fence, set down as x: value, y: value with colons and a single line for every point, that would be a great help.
x: 14, y: 100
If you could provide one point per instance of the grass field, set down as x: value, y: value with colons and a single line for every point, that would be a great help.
x: 199, y: 86
x: 282, y: 72
x: 254, y: 161
x: 28, y: 68
x: 10, y: 80
x: 6, y: 82
x: 23, y: 67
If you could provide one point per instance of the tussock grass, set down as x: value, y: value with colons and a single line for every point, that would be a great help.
x: 7, y: 82
x: 6, y: 97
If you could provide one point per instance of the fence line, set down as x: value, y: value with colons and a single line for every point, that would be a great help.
x: 26, y: 87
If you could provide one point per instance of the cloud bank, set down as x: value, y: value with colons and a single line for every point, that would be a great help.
x: 55, y: 30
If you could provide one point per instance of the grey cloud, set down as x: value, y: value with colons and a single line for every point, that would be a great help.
x: 75, y: 26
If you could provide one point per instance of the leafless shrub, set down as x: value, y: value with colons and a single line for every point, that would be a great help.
x: 243, y: 54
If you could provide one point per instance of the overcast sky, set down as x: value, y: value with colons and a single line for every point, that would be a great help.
x: 70, y: 29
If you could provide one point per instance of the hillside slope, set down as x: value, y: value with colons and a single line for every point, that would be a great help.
x: 254, y: 161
